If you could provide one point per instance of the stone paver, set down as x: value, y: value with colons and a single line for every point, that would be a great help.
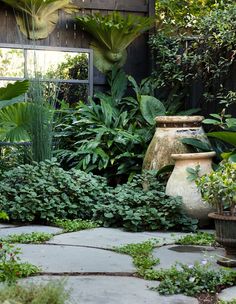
x: 228, y: 294
x: 29, y: 229
x: 59, y: 259
x: 115, y: 290
x: 171, y: 254
x: 81, y: 253
x: 3, y: 226
x: 108, y: 237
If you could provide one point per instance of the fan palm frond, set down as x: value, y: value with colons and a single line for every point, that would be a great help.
x: 15, y: 122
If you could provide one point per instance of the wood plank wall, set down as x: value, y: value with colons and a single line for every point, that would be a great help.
x: 67, y: 33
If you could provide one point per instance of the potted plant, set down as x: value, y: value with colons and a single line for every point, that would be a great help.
x: 218, y: 188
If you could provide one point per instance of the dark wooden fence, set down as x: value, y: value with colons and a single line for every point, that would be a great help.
x: 67, y: 33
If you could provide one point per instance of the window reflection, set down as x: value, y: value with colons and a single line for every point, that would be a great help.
x: 11, y: 63
x: 64, y: 73
x: 57, y: 65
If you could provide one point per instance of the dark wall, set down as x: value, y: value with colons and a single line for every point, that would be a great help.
x: 67, y: 33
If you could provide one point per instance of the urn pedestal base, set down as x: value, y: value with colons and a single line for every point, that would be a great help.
x: 226, y: 236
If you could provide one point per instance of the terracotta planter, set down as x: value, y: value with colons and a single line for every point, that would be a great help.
x: 226, y: 236
x: 166, y: 140
x: 179, y: 184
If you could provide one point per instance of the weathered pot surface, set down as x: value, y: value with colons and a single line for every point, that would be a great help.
x: 225, y: 225
x: 167, y: 139
x: 179, y: 184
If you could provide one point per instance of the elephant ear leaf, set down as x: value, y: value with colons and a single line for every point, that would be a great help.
x: 150, y: 108
x: 12, y: 93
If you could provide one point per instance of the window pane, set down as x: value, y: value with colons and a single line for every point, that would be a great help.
x: 72, y: 93
x: 53, y: 93
x: 57, y: 65
x: 11, y: 62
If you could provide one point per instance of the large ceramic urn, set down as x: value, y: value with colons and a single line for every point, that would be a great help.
x: 167, y: 139
x: 179, y: 183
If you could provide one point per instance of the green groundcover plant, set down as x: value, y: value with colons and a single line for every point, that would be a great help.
x: 11, y: 268
x: 27, y: 238
x: 75, y: 225
x: 142, y: 255
x: 131, y: 207
x: 44, y: 192
x: 192, y: 280
x: 199, y: 238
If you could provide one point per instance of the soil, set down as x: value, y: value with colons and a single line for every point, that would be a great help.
x: 206, y: 298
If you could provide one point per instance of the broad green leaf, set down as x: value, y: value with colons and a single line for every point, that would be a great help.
x: 150, y: 108
x: 228, y: 137
x: 196, y: 143
x: 13, y: 90
x: 231, y: 122
x: 135, y: 86
x: 216, y: 116
x: 209, y: 121
x: 230, y: 156
x: 189, y: 112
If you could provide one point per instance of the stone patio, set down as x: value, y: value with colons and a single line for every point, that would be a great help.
x: 95, y: 274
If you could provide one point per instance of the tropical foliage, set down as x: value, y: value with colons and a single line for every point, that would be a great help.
x: 13, y: 93
x: 112, y: 34
x: 110, y: 135
x: 14, y: 113
x: 38, y: 18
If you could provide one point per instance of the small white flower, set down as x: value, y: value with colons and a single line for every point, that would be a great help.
x: 204, y: 262
x: 192, y: 279
x: 190, y: 266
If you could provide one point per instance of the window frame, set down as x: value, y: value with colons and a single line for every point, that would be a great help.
x: 26, y: 47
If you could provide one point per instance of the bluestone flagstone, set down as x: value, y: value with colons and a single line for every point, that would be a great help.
x: 29, y: 229
x: 110, y: 237
x: 59, y: 259
x: 115, y: 290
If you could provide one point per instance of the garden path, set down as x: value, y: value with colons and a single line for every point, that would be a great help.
x: 95, y: 274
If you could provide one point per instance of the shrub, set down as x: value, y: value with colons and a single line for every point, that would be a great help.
x: 44, y: 191
x: 109, y: 136
x: 135, y: 209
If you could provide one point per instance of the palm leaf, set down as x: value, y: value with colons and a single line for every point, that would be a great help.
x: 15, y: 122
